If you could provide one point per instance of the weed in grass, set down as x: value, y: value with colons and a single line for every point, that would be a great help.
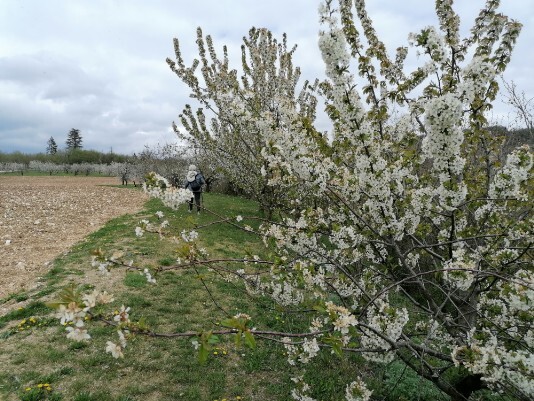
x: 135, y: 280
x: 77, y: 345
x: 125, y: 398
x: 167, y: 261
x: 18, y: 297
x: 32, y: 309
x: 95, y: 360
x: 84, y: 397
x: 54, y: 355
x: 6, y: 334
x: 34, y: 322
x: 46, y: 291
x: 9, y: 382
x: 65, y: 371
x: 137, y: 301
x: 40, y: 392
x: 97, y: 396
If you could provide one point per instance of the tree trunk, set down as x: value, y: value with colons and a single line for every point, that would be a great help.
x: 465, y: 387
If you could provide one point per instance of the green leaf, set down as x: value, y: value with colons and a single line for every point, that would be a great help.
x: 231, y: 323
x: 203, y: 353
x: 238, y: 338
x: 250, y: 341
x: 66, y: 296
x: 337, y: 349
x: 213, y: 339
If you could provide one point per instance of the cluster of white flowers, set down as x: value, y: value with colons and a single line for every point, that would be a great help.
x: 435, y: 45
x: 386, y: 324
x: 443, y: 117
x: 103, y: 266
x: 500, y: 367
x: 303, y: 353
x: 507, y: 183
x: 122, y: 315
x: 190, y: 236
x: 73, y: 315
x: 159, y: 187
x: 284, y: 293
x: 357, y: 391
x: 460, y: 270
x: 477, y: 74
x: 299, y: 393
x: 116, y: 349
x: 341, y: 317
x: 146, y: 226
x: 148, y: 276
x: 95, y: 298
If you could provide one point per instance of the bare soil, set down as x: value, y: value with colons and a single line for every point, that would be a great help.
x: 42, y: 217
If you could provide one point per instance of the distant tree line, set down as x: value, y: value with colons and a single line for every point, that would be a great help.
x: 169, y: 160
x: 64, y: 157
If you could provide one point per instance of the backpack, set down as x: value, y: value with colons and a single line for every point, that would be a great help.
x: 195, y: 185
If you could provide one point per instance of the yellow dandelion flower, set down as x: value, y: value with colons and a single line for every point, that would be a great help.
x: 224, y: 352
x: 238, y: 398
x: 40, y: 385
x: 215, y: 353
x: 28, y: 389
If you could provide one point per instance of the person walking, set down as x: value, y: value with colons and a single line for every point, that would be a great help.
x: 194, y: 181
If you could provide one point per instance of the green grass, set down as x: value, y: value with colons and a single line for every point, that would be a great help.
x: 168, y: 369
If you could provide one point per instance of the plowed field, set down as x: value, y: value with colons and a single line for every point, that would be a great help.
x: 42, y: 217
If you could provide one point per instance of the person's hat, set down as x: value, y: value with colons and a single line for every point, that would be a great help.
x: 192, y: 167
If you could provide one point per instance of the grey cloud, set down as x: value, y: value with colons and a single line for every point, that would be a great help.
x: 50, y: 76
x: 99, y: 65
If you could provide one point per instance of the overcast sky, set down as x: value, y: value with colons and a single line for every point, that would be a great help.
x: 99, y: 65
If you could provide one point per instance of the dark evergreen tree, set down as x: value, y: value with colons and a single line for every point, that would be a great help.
x: 51, y: 146
x: 74, y: 140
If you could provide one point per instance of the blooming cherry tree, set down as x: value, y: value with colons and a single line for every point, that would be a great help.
x: 423, y: 249
x: 243, y: 111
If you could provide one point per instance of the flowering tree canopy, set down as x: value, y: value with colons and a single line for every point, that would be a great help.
x: 244, y: 110
x: 423, y: 249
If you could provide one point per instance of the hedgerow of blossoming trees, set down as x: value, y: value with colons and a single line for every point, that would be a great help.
x: 406, y: 234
